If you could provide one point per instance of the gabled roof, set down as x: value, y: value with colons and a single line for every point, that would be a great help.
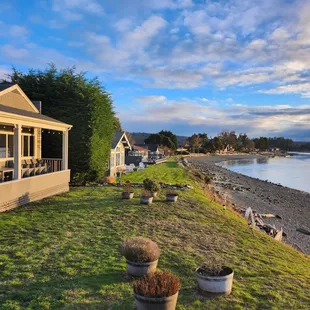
x: 150, y: 147
x: 140, y: 148
x: 29, y: 116
x: 120, y: 137
x: 6, y: 88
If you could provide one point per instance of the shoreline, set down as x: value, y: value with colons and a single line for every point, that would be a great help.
x: 293, y: 206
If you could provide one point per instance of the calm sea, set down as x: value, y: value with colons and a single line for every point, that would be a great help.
x: 291, y: 171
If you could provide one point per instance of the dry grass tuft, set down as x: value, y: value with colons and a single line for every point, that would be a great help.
x: 157, y: 284
x: 140, y: 250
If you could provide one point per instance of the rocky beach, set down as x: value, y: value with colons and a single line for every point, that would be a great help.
x: 292, y: 206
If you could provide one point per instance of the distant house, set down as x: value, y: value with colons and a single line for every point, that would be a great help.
x: 24, y: 175
x: 137, y: 155
x: 120, y: 145
x: 154, y: 150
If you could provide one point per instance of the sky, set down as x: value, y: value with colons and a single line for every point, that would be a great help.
x: 181, y: 65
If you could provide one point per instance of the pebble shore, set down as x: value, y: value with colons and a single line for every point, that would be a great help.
x: 291, y: 205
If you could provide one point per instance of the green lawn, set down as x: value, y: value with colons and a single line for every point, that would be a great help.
x: 62, y: 252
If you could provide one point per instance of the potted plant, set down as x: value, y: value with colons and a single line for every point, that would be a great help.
x: 127, y: 193
x: 172, y: 196
x: 141, y: 255
x: 158, y: 290
x: 152, y: 186
x: 214, y: 278
x: 146, y: 197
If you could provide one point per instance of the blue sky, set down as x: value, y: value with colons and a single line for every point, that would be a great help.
x: 184, y: 65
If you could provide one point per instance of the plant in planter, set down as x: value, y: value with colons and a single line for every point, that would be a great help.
x: 214, y: 278
x: 157, y: 291
x: 172, y: 196
x: 127, y: 193
x: 152, y: 186
x: 146, y: 197
x: 141, y: 255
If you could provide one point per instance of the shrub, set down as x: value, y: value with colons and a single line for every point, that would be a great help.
x: 208, y: 179
x: 146, y: 193
x: 151, y: 185
x: 110, y: 180
x: 140, y: 250
x: 172, y: 193
x: 157, y: 284
x: 82, y: 178
x: 127, y: 187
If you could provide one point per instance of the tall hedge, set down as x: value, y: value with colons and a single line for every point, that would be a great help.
x: 70, y: 97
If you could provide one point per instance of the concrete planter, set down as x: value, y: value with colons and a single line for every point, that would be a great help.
x: 172, y: 198
x: 154, y: 194
x: 127, y: 195
x: 163, y: 303
x: 140, y: 269
x: 216, y: 285
x: 146, y: 200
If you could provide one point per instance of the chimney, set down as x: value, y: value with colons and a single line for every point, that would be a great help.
x: 38, y: 105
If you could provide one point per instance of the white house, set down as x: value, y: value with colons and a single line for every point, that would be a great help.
x: 24, y: 175
x: 119, y: 146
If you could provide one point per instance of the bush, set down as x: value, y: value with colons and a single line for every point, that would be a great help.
x: 208, y: 179
x: 82, y: 178
x: 140, y: 250
x: 157, y: 284
x: 146, y: 193
x: 127, y: 187
x: 110, y: 180
x: 151, y: 185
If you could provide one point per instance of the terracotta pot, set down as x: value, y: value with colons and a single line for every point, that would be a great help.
x: 163, y: 303
x: 126, y: 195
x: 216, y: 285
x: 146, y: 200
x: 172, y: 198
x: 154, y: 194
x: 140, y: 269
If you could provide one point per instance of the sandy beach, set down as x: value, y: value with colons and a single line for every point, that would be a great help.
x: 291, y: 205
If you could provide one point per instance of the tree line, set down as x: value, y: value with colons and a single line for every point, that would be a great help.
x: 231, y: 141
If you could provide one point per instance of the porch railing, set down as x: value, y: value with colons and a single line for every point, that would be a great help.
x: 52, y: 164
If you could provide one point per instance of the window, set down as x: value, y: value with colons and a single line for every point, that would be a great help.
x: 112, y: 161
x: 2, y: 146
x: 28, y: 145
x: 6, y: 145
x: 10, y: 146
x: 118, y: 159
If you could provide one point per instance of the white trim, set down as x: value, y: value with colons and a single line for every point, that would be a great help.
x: 32, y: 122
x: 16, y: 87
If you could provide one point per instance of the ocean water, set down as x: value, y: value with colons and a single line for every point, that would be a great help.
x: 293, y: 172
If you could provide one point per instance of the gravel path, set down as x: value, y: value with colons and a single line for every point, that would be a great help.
x: 264, y: 197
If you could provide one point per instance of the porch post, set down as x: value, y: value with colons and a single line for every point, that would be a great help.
x: 65, y: 144
x: 17, y: 152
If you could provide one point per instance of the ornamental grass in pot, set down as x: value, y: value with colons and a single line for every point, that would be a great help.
x: 158, y: 290
x: 127, y: 193
x: 141, y: 255
x: 146, y: 197
x: 215, y: 278
x: 152, y: 186
x: 172, y: 196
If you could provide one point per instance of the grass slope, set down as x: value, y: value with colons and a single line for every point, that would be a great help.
x: 62, y: 252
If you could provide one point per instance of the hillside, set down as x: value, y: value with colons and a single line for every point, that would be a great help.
x: 62, y: 252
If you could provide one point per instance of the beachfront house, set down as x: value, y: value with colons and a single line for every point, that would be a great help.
x: 120, y: 146
x: 137, y: 155
x: 24, y: 175
x: 154, y: 150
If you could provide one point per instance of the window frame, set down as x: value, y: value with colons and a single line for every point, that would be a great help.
x: 6, y: 134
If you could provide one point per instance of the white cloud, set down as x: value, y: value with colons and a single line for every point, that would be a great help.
x: 72, y: 10
x: 302, y: 88
x: 3, y: 73
x: 151, y: 99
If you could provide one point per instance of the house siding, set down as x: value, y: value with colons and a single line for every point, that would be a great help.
x: 113, y: 167
x: 15, y: 100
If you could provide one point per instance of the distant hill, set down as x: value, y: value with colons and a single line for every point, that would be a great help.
x: 139, y: 137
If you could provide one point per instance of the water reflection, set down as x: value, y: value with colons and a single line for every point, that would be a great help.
x: 290, y: 171
x: 245, y: 162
